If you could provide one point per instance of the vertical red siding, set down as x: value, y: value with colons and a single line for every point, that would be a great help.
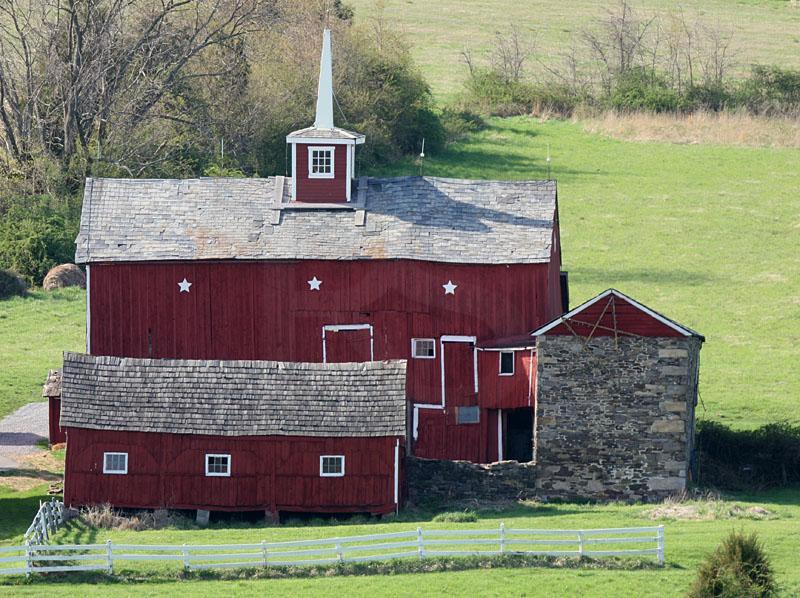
x: 265, y: 310
x: 273, y: 473
x: 507, y: 392
x: 57, y: 435
x: 322, y: 190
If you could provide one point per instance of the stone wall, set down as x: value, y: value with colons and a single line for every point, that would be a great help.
x: 439, y: 484
x: 614, y: 420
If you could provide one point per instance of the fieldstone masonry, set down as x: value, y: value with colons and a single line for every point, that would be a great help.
x: 614, y: 418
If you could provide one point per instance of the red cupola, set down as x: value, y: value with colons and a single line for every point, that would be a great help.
x: 323, y: 156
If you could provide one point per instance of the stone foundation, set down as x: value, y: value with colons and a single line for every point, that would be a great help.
x: 433, y: 483
x: 614, y: 419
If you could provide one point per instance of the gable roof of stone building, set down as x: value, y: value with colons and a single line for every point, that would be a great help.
x: 234, y: 398
x: 423, y: 218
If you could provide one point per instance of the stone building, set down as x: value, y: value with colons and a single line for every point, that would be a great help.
x: 615, y: 402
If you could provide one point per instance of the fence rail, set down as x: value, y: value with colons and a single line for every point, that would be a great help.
x: 418, y: 543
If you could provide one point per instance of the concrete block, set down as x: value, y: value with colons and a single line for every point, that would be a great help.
x: 203, y: 517
x: 672, y: 483
x: 673, y: 406
x: 673, y: 353
x: 670, y: 426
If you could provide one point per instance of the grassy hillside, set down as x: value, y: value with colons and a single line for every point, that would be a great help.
x: 706, y: 234
x: 766, y: 31
x: 687, y: 543
x: 34, y: 331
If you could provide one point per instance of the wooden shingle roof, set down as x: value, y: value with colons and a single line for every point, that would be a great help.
x: 234, y: 398
x: 420, y: 218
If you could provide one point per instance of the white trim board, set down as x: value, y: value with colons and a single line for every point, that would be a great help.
x: 666, y: 321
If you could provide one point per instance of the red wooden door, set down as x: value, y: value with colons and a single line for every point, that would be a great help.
x: 459, y: 375
x: 343, y: 344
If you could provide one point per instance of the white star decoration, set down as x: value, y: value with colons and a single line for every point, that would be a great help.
x: 449, y: 288
x: 184, y: 285
x: 313, y: 284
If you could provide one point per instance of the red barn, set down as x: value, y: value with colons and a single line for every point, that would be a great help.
x: 323, y: 267
x: 234, y: 435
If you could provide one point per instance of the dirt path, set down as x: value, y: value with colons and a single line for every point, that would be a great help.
x: 19, y: 433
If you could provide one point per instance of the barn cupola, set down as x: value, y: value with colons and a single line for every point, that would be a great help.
x: 323, y: 156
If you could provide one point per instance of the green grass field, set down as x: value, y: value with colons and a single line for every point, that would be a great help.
x: 34, y: 331
x: 687, y: 543
x: 765, y: 31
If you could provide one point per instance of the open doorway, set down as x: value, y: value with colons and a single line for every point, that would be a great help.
x: 518, y: 434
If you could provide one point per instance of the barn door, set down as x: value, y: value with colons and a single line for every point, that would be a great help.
x: 458, y: 369
x: 342, y: 343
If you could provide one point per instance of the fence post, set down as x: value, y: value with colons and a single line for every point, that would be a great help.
x: 109, y: 558
x: 580, y: 543
x: 339, y: 552
x: 264, y: 552
x: 660, y: 543
x: 420, y: 544
x: 502, y: 537
x: 28, y: 559
x: 185, y: 552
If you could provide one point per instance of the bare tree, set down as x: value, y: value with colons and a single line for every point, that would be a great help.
x: 509, y: 53
x: 76, y: 73
x: 618, y: 41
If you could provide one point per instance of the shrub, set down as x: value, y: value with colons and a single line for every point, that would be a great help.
x: 37, y: 233
x: 746, y: 459
x: 639, y: 89
x: 489, y: 92
x: 458, y: 124
x: 738, y: 567
x: 11, y: 284
x: 456, y: 517
x: 770, y: 90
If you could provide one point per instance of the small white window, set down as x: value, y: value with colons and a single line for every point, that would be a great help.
x: 116, y: 463
x: 468, y: 415
x: 320, y: 162
x: 423, y: 348
x: 218, y: 465
x: 331, y: 466
x: 506, y: 363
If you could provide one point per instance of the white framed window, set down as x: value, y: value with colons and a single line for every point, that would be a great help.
x: 218, y: 465
x: 115, y: 463
x: 423, y: 348
x: 320, y: 162
x: 468, y: 415
x: 331, y: 466
x: 506, y: 363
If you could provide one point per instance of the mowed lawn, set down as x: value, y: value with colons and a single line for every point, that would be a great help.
x: 34, y: 331
x: 687, y: 543
x: 764, y: 31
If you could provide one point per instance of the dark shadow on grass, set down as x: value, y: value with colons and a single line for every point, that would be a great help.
x: 17, y: 514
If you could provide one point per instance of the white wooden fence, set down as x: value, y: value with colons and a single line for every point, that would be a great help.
x: 46, y: 521
x: 419, y: 543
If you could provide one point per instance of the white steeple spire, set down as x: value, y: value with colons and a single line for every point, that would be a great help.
x: 324, y: 118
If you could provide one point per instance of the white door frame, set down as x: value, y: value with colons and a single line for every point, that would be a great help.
x: 447, y: 338
x: 344, y: 328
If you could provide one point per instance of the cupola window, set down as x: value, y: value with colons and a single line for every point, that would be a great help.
x: 320, y: 162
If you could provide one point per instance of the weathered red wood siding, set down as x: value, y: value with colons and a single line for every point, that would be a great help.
x: 624, y: 316
x: 265, y: 310
x: 273, y: 473
x: 57, y: 435
x: 507, y: 392
x: 322, y: 190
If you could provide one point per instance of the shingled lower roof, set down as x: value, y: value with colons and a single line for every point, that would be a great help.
x: 234, y: 398
x: 421, y: 218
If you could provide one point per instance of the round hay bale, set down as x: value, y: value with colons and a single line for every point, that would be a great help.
x: 65, y: 275
x: 11, y: 284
